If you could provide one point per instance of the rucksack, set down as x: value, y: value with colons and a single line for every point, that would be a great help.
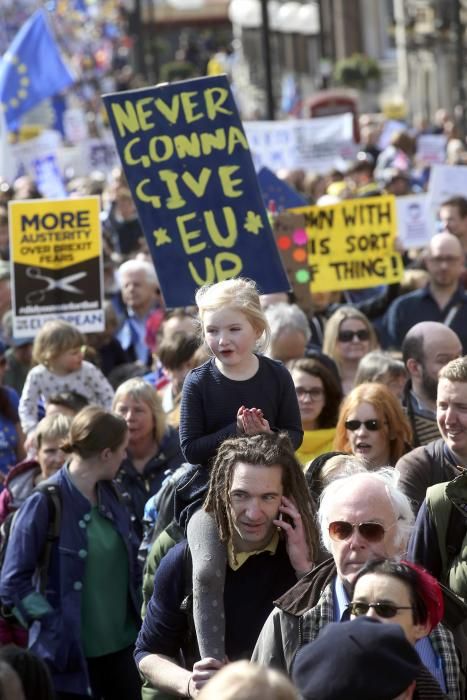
x: 54, y: 506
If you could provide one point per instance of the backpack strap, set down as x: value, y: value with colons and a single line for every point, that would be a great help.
x: 455, y: 534
x: 190, y: 647
x: 54, y: 504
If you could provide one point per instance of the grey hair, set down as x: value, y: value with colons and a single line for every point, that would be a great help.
x: 388, y: 478
x: 135, y: 265
x: 340, y: 466
x: 284, y: 316
x: 375, y: 365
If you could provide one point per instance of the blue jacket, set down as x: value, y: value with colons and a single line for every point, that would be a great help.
x: 54, y: 620
x: 420, y: 305
x: 137, y: 488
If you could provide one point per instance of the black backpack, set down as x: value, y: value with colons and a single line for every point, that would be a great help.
x: 54, y: 505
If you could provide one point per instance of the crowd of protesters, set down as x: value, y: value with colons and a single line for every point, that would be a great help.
x: 142, y: 468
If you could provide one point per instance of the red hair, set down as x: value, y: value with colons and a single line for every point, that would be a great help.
x: 430, y: 592
x: 388, y: 409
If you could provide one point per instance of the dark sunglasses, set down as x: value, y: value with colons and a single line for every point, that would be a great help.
x: 371, y: 425
x: 348, y: 336
x: 385, y: 610
x: 340, y: 530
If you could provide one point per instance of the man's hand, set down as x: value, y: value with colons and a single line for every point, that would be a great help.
x: 296, y: 544
x: 202, y: 671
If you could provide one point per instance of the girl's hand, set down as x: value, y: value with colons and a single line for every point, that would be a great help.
x: 296, y: 544
x: 254, y: 422
x: 203, y: 671
x: 240, y: 413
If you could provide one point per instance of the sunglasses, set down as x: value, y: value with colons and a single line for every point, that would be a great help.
x: 340, y: 530
x: 348, y: 336
x: 385, y: 610
x: 371, y: 425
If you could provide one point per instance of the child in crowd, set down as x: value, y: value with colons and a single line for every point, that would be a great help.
x: 57, y: 352
x: 176, y: 357
x: 67, y: 403
x: 236, y: 392
x: 22, y: 478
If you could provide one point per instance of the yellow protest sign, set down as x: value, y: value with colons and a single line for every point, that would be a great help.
x: 56, y: 256
x: 349, y: 245
x: 55, y: 233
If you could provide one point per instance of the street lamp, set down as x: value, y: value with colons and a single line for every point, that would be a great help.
x: 289, y: 17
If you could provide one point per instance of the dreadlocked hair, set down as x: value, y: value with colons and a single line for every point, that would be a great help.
x: 265, y: 450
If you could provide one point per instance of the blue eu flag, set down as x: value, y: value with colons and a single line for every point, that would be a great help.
x: 31, y: 70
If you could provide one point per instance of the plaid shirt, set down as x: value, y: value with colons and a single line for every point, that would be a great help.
x: 313, y: 621
x: 443, y: 644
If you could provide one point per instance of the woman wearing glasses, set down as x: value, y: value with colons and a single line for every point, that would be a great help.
x: 405, y: 594
x: 348, y: 337
x: 319, y: 396
x: 373, y: 426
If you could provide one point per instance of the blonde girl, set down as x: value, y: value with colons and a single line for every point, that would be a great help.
x: 58, y: 356
x: 236, y: 392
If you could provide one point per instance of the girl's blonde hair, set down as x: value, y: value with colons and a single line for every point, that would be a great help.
x: 396, y: 425
x: 332, y: 330
x: 139, y: 390
x: 53, y: 339
x: 240, y: 294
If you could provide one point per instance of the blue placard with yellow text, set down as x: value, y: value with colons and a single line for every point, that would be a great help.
x: 188, y: 164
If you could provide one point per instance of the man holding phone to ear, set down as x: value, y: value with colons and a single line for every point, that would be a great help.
x: 260, y: 502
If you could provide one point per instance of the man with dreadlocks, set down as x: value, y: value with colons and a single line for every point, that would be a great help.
x: 259, y: 500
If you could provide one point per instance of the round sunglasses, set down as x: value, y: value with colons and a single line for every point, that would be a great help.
x: 385, y: 610
x: 348, y: 336
x: 371, y: 425
x: 340, y: 530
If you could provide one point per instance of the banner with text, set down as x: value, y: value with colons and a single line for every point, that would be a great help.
x: 56, y: 259
x: 317, y: 144
x: 188, y: 164
x: 343, y: 246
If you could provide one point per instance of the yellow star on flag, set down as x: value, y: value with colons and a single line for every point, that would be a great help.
x: 252, y: 222
x: 161, y: 237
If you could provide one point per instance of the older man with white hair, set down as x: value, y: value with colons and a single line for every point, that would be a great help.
x: 139, y: 289
x: 363, y: 516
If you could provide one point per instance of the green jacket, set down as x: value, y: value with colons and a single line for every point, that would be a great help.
x: 166, y: 540
x: 440, y: 499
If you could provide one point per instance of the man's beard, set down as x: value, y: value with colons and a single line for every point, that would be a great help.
x: 429, y: 385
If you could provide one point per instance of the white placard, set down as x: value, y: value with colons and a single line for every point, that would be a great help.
x: 446, y: 181
x: 414, y: 221
x: 317, y: 144
x: 431, y: 149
